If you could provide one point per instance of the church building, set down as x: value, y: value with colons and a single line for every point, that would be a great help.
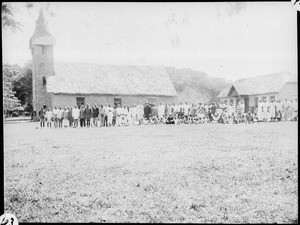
x: 69, y: 84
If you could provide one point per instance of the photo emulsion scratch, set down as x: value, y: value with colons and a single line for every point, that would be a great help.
x: 150, y: 112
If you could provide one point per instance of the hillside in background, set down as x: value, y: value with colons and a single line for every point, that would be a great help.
x: 195, y: 86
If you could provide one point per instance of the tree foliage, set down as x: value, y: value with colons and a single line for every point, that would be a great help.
x: 7, y: 16
x: 195, y: 85
x: 10, y: 73
x: 22, y: 86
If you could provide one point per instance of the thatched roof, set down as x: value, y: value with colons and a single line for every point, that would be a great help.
x: 84, y: 78
x: 270, y: 83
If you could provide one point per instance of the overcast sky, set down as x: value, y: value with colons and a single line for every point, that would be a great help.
x: 228, y: 40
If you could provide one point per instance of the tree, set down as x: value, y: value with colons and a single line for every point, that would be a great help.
x: 10, y: 73
x: 23, y: 87
x: 7, y: 15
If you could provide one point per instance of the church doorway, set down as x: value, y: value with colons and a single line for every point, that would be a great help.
x: 80, y: 101
x: 117, y: 101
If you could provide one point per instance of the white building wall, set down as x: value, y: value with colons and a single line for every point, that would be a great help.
x: 65, y: 100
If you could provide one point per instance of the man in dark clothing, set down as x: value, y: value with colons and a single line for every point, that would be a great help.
x: 170, y: 119
x: 105, y: 114
x: 95, y: 115
x: 147, y: 111
x: 42, y: 114
x: 70, y: 117
x: 82, y: 116
x: 88, y: 115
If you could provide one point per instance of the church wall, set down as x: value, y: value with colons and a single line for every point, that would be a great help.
x: 65, y: 100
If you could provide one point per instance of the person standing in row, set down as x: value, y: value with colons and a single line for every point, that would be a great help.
x: 264, y: 111
x: 260, y: 111
x: 118, y: 115
x: 140, y: 112
x: 65, y: 117
x: 285, y: 106
x: 95, y: 115
x: 124, y: 115
x: 154, y: 112
x: 133, y: 115
x: 82, y: 116
x: 88, y: 115
x: 147, y: 111
x: 186, y: 110
x: 290, y: 110
x: 110, y: 115
x: 114, y: 113
x: 101, y: 114
x: 166, y: 110
x: 70, y: 117
x: 128, y: 116
x: 160, y: 112
x: 55, y: 112
x: 295, y: 110
x: 59, y: 117
x: 268, y: 111
x: 42, y: 114
x: 278, y: 110
x: 176, y: 110
x: 272, y: 110
x: 243, y: 107
x: 193, y: 110
x: 49, y: 116
x: 106, y: 113
x: 75, y: 115
x: 239, y: 112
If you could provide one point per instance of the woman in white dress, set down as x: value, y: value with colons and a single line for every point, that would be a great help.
x: 49, y: 116
x: 119, y: 112
x: 65, y: 117
x: 109, y: 116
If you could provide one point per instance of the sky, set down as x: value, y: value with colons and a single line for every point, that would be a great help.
x: 227, y: 40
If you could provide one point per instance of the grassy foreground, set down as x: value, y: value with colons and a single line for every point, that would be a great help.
x: 187, y: 173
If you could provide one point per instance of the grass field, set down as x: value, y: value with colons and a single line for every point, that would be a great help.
x: 187, y: 173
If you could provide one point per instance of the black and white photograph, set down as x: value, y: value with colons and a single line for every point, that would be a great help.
x: 150, y: 112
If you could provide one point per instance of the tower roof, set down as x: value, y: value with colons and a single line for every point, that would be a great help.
x: 41, y: 15
x: 41, y: 35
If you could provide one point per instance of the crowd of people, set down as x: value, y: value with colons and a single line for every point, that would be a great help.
x: 151, y: 114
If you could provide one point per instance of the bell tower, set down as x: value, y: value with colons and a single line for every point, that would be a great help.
x: 41, y: 45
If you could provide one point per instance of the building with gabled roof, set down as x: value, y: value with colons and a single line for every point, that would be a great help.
x: 251, y: 90
x: 67, y: 84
